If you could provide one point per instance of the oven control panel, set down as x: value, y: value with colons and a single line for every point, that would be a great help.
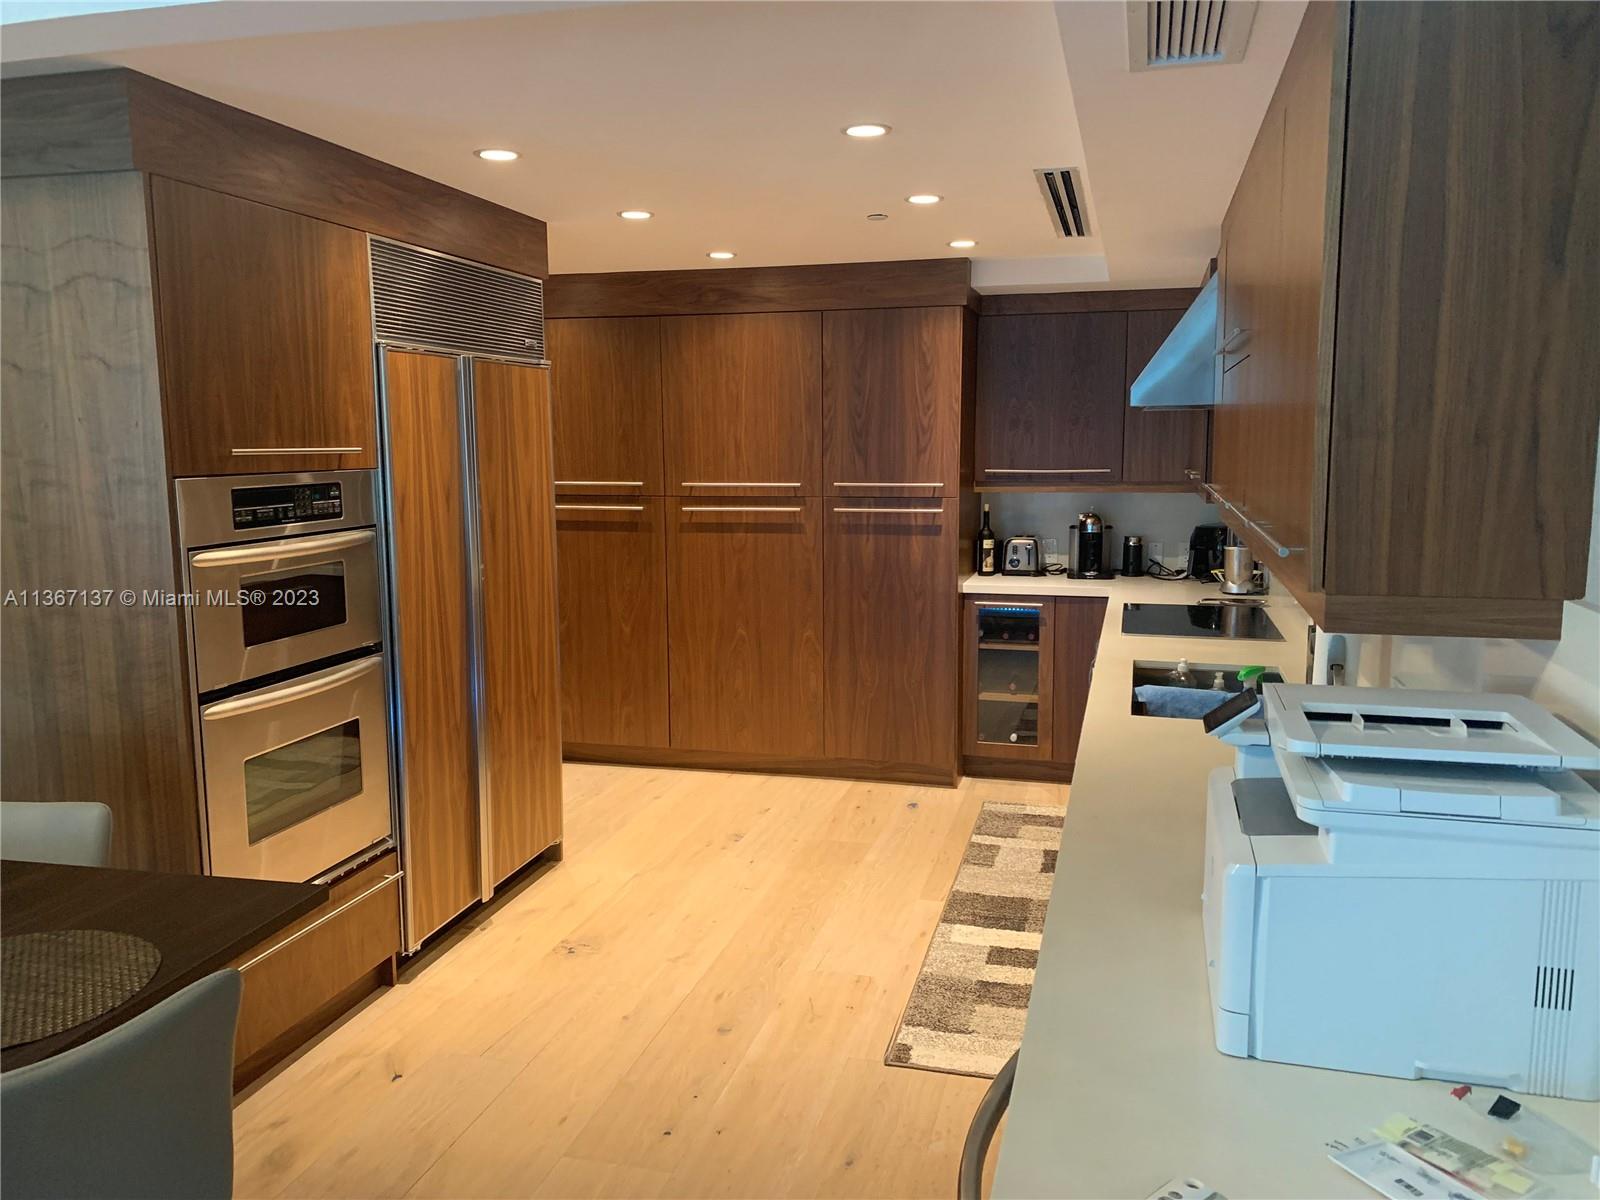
x: 287, y: 504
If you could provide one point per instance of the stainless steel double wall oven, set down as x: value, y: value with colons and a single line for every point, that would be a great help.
x: 285, y: 604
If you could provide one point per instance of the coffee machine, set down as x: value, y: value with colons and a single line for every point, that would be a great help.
x: 1205, y: 551
x: 1089, y: 553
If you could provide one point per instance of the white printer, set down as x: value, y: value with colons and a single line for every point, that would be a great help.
x: 1406, y: 883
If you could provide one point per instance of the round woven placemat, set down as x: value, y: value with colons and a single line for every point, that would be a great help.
x: 51, y: 982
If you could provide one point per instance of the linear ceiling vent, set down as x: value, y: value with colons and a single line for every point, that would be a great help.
x: 1062, y: 188
x: 1187, y: 33
x: 423, y: 298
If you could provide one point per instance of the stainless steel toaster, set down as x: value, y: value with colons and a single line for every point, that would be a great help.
x: 1021, y: 557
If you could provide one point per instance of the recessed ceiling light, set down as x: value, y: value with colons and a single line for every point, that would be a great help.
x: 870, y: 129
x: 635, y: 214
x: 719, y: 254
x: 493, y: 155
x: 924, y: 198
x: 963, y: 244
x: 877, y: 216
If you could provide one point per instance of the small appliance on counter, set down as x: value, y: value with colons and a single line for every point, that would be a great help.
x: 1089, y: 556
x: 1404, y: 882
x: 1133, y: 555
x: 1239, y: 574
x: 1206, y: 544
x: 1021, y: 556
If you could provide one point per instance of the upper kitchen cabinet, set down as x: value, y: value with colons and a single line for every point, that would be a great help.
x: 606, y: 377
x: 265, y: 328
x: 742, y: 396
x: 891, y: 401
x: 1160, y: 445
x: 1051, y: 397
x: 1408, y: 423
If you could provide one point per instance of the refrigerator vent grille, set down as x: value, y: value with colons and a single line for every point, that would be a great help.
x: 1062, y: 192
x: 422, y: 298
x: 1187, y: 33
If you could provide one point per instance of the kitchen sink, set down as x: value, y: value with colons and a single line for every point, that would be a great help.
x: 1204, y: 679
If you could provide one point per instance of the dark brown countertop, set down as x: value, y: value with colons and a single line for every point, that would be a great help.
x: 200, y: 923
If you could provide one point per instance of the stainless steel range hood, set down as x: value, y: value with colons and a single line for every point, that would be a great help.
x: 1182, y: 373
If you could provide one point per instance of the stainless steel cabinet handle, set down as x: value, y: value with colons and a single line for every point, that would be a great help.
x: 601, y: 507
x: 271, y: 551
x: 1004, y: 604
x: 294, y: 691
x: 930, y: 512
x: 1047, y: 470
x: 297, y: 449
x: 739, y: 508
x: 1278, y: 547
x: 894, y: 483
x: 723, y: 484
x: 561, y: 483
x: 1229, y: 343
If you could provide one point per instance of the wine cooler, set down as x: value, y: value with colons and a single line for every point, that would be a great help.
x: 1008, y: 679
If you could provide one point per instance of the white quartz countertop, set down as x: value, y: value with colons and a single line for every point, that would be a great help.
x: 1120, y: 1086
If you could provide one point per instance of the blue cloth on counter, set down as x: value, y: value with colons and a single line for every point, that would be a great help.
x: 1160, y: 701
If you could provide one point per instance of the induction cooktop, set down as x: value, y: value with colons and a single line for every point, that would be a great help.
x: 1244, y: 622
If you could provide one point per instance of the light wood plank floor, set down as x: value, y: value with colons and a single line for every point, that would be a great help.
x: 695, y: 1003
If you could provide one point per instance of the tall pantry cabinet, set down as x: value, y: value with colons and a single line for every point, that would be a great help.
x: 785, y: 596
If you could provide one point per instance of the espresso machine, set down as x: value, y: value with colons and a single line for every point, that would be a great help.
x: 1089, y: 559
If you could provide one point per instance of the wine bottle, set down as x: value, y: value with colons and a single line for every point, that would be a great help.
x: 988, y: 557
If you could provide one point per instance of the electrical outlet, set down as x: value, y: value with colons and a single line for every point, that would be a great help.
x: 1049, y: 549
x: 1157, y: 551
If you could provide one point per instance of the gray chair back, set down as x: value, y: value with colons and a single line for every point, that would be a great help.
x: 71, y: 833
x: 143, y: 1110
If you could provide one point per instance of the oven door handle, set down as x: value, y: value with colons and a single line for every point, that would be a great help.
x: 290, y: 692
x: 271, y: 551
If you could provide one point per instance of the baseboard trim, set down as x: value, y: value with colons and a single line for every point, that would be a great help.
x: 1011, y: 768
x: 717, y: 760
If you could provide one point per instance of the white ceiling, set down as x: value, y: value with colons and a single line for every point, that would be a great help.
x: 724, y: 120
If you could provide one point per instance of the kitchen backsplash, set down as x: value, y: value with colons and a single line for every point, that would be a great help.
x: 1166, y: 518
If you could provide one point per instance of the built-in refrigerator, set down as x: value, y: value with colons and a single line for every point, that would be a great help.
x: 464, y: 409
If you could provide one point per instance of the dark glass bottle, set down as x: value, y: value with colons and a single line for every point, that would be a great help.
x: 984, y: 548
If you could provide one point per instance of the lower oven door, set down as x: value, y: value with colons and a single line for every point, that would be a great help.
x: 270, y: 606
x: 297, y: 774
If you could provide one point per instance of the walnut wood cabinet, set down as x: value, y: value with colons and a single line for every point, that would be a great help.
x: 892, y: 638
x: 742, y: 403
x: 744, y: 611
x: 1027, y: 665
x: 303, y: 976
x: 1051, y: 397
x: 265, y: 327
x: 1408, y: 416
x: 892, y: 401
x: 606, y: 389
x: 612, y: 552
x: 1160, y: 445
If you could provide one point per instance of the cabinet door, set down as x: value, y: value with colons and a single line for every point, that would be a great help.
x: 1077, y: 638
x: 1160, y: 446
x: 266, y: 336
x: 605, y: 379
x: 1008, y: 668
x: 427, y: 535
x: 743, y: 401
x: 1051, y: 398
x: 521, y: 715
x: 744, y: 614
x: 891, y: 631
x: 891, y: 401
x: 612, y: 564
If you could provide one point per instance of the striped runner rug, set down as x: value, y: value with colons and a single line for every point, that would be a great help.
x: 970, y: 999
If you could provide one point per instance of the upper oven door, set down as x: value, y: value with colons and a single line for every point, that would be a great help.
x: 266, y: 606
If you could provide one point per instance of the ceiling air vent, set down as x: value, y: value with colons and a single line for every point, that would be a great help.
x: 1062, y: 188
x: 1187, y: 33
